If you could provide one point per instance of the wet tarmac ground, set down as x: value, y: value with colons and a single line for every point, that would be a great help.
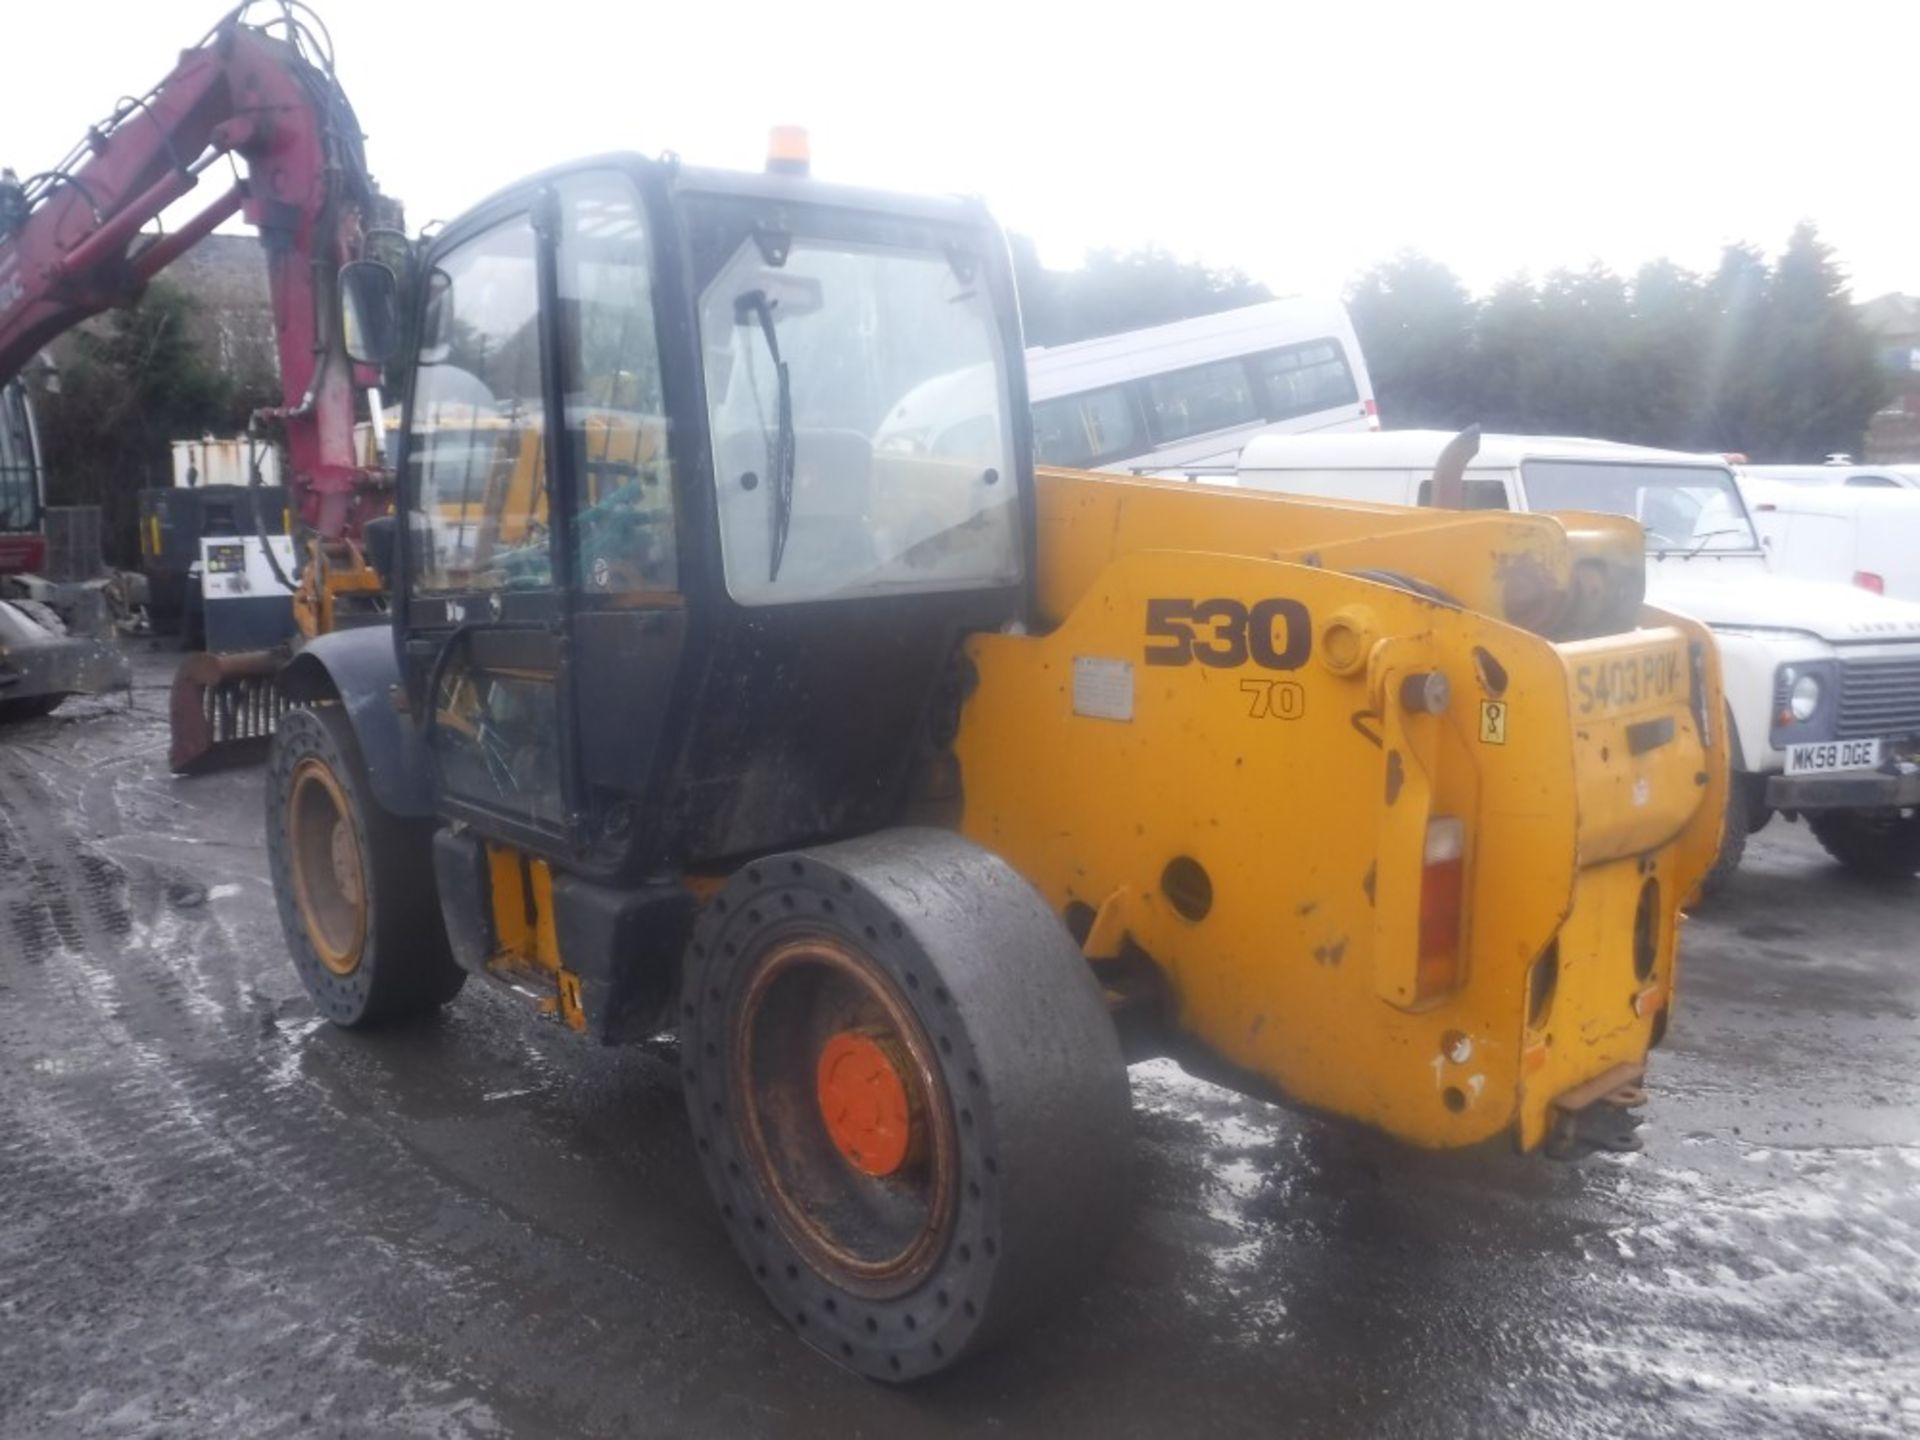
x: 220, y: 1216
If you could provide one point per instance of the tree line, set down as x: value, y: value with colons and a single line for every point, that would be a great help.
x: 1111, y: 291
x: 1765, y: 358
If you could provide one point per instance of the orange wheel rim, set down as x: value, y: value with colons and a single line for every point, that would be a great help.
x: 863, y: 1101
x: 850, y: 1130
x: 329, y: 873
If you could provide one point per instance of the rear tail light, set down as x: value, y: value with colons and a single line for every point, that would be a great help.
x: 1373, y: 413
x: 1442, y: 881
x: 1867, y: 580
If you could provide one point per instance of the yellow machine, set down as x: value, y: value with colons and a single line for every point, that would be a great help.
x: 744, y: 680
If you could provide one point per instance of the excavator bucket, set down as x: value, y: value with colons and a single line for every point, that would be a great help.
x: 40, y: 663
x: 223, y: 709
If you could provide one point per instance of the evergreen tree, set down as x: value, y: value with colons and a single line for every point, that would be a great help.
x: 1771, y: 360
x: 1663, y: 385
x: 130, y: 387
x: 1505, y: 330
x: 1734, y: 411
x: 1113, y: 291
x: 1821, y: 383
x: 1414, y: 320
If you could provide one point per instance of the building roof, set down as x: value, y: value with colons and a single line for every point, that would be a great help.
x: 1892, y: 314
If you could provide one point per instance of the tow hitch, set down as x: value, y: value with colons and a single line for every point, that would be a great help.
x: 1602, y: 1114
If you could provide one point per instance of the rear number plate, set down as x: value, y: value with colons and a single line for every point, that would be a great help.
x: 1833, y: 755
x: 1628, y: 682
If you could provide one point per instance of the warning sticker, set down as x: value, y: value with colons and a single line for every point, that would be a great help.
x: 1493, y: 722
x: 1102, y: 688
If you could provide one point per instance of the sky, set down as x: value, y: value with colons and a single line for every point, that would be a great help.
x: 1300, y: 143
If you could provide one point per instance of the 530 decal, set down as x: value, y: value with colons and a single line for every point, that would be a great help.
x: 1273, y: 634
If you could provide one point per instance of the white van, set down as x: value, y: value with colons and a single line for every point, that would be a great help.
x: 1193, y: 392
x: 1868, y: 537
x: 1822, y: 680
x: 1858, y: 477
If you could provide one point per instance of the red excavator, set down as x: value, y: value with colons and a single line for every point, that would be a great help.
x: 79, y: 239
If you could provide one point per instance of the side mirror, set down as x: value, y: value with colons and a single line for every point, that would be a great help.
x: 369, y: 311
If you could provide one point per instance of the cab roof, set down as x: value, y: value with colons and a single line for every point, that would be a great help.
x: 746, y: 184
x: 807, y: 189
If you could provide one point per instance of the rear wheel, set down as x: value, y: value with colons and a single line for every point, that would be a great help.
x: 1879, y: 844
x: 355, y: 885
x: 906, y: 1093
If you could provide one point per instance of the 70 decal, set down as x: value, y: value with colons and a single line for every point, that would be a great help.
x: 1273, y: 634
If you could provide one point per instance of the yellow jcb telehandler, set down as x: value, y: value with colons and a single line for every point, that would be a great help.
x: 898, y: 779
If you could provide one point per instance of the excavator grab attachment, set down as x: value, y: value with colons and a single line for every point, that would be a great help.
x: 223, y: 708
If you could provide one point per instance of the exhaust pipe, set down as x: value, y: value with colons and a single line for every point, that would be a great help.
x: 1449, y: 486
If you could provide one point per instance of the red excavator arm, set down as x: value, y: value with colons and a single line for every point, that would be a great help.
x: 74, y: 239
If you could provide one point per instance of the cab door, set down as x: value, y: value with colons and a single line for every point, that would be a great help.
x: 539, y: 500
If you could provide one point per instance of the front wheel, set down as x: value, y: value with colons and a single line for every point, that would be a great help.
x: 906, y: 1093
x: 355, y: 885
x: 1740, y: 824
x: 1877, y: 844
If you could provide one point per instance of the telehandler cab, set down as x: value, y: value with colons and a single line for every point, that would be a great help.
x: 890, y: 774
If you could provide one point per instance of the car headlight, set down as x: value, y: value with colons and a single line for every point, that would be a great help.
x: 1804, y: 698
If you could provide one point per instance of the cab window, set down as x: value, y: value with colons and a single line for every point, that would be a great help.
x: 862, y: 444
x: 476, y: 452
x: 615, y: 410
x: 19, y: 479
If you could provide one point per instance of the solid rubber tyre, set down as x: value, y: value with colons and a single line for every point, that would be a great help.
x: 1875, y: 845
x: 391, y: 961
x: 1024, y: 1087
x: 1733, y: 838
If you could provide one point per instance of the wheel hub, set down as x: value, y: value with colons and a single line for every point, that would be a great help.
x: 845, y: 1115
x: 346, y: 861
x: 864, y: 1103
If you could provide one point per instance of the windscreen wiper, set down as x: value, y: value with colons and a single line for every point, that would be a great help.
x: 1700, y: 541
x: 751, y: 305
